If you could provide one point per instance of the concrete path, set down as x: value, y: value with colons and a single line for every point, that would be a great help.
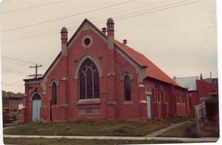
x: 205, y: 139
x: 158, y: 132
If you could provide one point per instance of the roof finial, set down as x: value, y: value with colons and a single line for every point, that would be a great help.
x: 110, y: 27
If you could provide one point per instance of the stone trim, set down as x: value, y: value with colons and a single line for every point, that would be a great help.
x: 112, y: 103
x: 83, y: 39
x: 56, y: 81
x: 89, y: 101
x: 141, y: 71
x: 148, y: 92
x: 32, y: 82
x: 142, y: 101
x: 141, y: 85
x: 92, y: 58
x: 31, y: 96
x: 127, y: 73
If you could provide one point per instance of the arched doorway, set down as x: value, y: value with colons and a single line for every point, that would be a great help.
x: 36, y: 105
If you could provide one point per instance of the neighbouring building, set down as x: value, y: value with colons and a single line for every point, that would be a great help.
x: 12, y: 107
x: 95, y: 77
x: 207, y: 87
x: 199, y: 89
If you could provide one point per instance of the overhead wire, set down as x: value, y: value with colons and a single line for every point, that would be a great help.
x: 158, y: 9
x: 64, y: 17
x: 11, y: 70
x: 18, y: 60
x: 119, y: 17
x: 31, y: 7
x: 130, y: 15
x: 134, y: 7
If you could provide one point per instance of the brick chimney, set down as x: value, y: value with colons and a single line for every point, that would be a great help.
x: 110, y: 32
x: 111, y: 73
x: 110, y: 27
x: 64, y: 40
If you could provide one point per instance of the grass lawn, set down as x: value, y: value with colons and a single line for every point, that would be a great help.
x: 79, y: 142
x: 180, y: 131
x: 211, y: 129
x: 108, y: 128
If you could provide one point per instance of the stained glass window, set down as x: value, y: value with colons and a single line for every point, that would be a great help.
x: 88, y: 80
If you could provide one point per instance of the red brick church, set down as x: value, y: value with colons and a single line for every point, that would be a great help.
x: 95, y: 77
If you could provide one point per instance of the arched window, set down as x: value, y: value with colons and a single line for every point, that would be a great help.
x: 88, y: 80
x: 127, y: 88
x: 54, y: 93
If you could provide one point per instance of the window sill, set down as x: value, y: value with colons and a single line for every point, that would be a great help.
x: 127, y: 102
x: 88, y: 101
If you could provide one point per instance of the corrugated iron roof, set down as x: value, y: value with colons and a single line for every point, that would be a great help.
x: 187, y: 82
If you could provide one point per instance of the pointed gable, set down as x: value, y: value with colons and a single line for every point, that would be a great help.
x: 86, y: 23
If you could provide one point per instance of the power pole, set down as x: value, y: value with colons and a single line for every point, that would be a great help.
x: 36, y: 71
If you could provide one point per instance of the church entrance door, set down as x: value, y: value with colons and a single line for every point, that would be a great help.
x: 36, y: 105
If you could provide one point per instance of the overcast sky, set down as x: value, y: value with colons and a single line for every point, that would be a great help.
x: 179, y: 36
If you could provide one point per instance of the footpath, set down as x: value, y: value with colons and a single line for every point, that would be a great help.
x: 205, y: 139
x: 158, y: 132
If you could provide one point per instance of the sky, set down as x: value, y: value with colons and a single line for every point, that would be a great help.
x: 179, y: 36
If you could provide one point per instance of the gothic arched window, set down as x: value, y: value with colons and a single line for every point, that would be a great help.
x: 88, y: 80
x: 54, y: 93
x: 127, y: 88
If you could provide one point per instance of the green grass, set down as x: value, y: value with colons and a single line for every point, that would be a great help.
x: 185, y: 130
x: 108, y: 128
x: 79, y: 142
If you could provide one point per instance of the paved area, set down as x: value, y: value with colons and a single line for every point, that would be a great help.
x: 158, y: 132
x: 205, y: 139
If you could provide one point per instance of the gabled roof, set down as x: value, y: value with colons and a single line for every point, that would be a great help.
x: 153, y: 71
